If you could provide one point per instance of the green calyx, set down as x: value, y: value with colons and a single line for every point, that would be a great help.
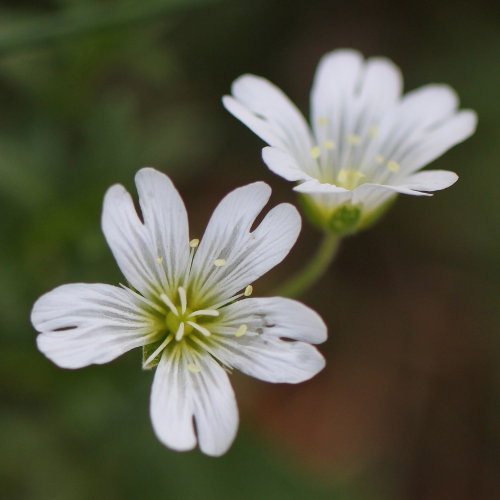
x: 343, y: 219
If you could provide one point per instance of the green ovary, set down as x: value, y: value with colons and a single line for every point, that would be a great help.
x: 172, y: 321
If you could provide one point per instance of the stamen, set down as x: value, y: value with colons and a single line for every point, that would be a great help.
x: 219, y: 262
x: 204, y: 312
x: 183, y: 298
x: 379, y: 158
x: 353, y: 139
x: 373, y: 131
x: 315, y: 152
x: 193, y: 368
x: 393, y: 166
x: 193, y: 244
x: 241, y: 331
x: 248, y: 291
x: 201, y: 329
x: 329, y: 145
x: 159, y: 260
x: 157, y: 351
x: 169, y: 303
x: 323, y: 121
x: 180, y: 332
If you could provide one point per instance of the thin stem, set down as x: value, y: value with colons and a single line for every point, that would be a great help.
x: 316, y: 267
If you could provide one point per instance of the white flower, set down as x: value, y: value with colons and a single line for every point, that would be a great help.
x: 365, y: 143
x: 182, y: 306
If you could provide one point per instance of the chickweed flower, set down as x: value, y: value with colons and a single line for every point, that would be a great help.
x: 366, y: 142
x: 187, y: 303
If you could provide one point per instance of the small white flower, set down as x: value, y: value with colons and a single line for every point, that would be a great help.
x: 182, y: 307
x: 365, y: 142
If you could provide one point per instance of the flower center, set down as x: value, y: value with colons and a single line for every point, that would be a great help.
x: 173, y: 322
x: 337, y: 164
x: 181, y: 320
x: 349, y: 178
x: 180, y: 323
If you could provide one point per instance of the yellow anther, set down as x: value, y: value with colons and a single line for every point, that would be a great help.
x: 219, y: 262
x: 323, y: 121
x: 393, y: 166
x: 353, y: 139
x: 379, y: 159
x: 193, y: 368
x: 159, y: 260
x: 194, y: 243
x: 241, y: 331
x: 373, y: 131
x: 248, y: 291
x: 329, y: 145
x: 315, y: 152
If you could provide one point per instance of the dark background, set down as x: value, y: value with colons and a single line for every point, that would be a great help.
x: 408, y: 405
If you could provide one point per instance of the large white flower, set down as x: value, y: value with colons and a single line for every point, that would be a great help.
x: 182, y: 306
x: 365, y: 143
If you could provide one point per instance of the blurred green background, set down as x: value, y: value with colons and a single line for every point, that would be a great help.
x: 407, y: 407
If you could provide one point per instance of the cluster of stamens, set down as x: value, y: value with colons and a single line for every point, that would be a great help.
x: 349, y: 177
x: 180, y: 322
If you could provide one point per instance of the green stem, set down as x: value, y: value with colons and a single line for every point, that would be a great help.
x: 316, y: 267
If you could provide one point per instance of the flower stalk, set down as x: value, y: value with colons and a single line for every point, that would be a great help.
x: 302, y: 281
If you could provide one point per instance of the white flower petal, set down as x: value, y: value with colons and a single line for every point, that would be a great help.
x: 380, y: 87
x: 245, y: 255
x: 431, y: 180
x: 215, y: 409
x: 313, y: 186
x: 166, y: 220
x: 184, y: 388
x: 283, y: 164
x: 83, y: 324
x: 150, y: 254
x: 257, y: 125
x: 336, y: 79
x: 335, y: 84
x: 276, y: 317
x: 171, y: 404
x: 267, y: 101
x: 406, y: 131
x: 326, y: 196
x: 428, y: 105
x: 438, y: 140
x: 269, y: 358
x: 372, y: 195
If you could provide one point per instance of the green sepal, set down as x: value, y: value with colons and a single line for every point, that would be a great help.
x: 147, y: 350
x: 344, y: 220
x: 312, y: 211
x: 370, y: 218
